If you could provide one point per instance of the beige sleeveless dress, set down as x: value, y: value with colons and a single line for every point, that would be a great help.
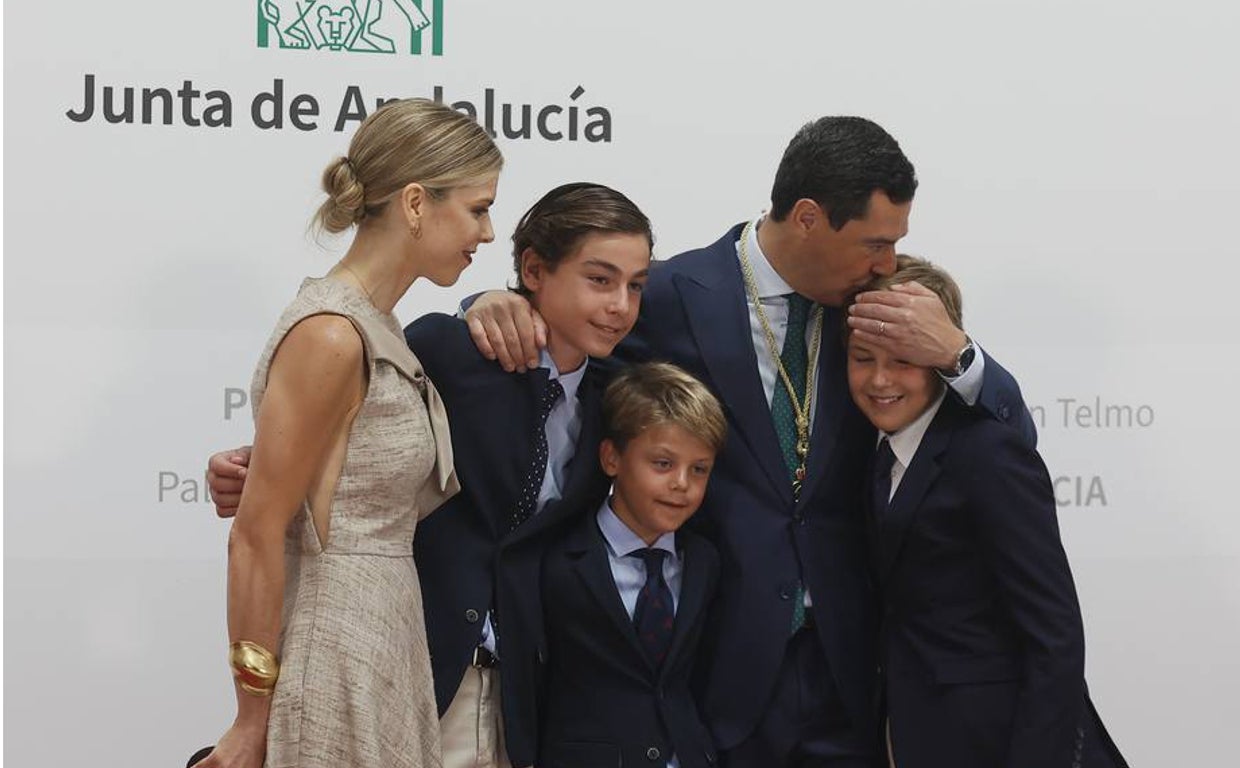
x: 355, y: 683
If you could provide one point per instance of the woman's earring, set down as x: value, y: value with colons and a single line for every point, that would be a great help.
x: 415, y: 229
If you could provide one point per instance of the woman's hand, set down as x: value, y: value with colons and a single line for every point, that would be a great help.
x: 242, y: 746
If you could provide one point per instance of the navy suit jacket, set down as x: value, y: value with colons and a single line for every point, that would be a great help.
x: 492, y: 416
x: 603, y: 703
x: 694, y: 314
x: 982, y: 644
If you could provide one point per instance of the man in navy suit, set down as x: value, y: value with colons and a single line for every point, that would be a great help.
x: 790, y: 673
x: 982, y: 645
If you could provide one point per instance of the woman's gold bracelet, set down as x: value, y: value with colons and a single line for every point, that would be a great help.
x: 255, y: 667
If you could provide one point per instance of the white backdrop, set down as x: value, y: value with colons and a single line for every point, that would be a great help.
x: 1078, y: 165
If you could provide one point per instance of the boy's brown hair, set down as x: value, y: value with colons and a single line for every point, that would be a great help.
x: 660, y: 393
x: 555, y: 225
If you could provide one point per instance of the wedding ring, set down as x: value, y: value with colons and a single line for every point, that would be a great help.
x: 882, y: 326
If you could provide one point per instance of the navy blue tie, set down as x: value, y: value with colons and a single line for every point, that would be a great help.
x: 654, y: 615
x: 884, y: 461
x: 527, y: 500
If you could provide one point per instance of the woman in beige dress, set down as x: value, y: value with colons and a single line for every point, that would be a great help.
x: 351, y: 449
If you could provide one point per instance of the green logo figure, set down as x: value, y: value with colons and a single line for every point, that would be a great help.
x: 360, y: 26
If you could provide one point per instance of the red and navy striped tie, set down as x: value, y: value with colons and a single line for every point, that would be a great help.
x: 655, y: 613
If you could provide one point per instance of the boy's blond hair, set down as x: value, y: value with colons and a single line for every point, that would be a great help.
x: 660, y: 393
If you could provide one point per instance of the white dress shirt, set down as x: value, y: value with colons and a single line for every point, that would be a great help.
x: 905, y: 442
x: 562, y: 429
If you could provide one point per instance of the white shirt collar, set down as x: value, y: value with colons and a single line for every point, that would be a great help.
x: 570, y: 381
x: 770, y: 284
x: 905, y: 442
x: 621, y: 539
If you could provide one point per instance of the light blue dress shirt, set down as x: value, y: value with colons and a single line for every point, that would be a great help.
x: 629, y: 573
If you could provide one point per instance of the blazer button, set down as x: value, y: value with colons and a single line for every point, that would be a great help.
x: 786, y: 591
x: 471, y: 616
x: 652, y: 754
x: 1004, y: 411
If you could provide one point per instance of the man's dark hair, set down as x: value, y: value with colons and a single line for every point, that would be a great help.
x: 839, y: 162
x: 555, y: 225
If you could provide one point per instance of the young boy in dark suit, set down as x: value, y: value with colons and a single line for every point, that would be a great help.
x: 982, y: 646
x: 625, y: 588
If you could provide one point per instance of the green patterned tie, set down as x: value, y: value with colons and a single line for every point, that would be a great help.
x: 795, y: 360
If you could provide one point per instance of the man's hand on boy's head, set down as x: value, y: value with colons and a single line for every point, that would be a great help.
x: 226, y: 477
x: 506, y: 328
x: 909, y: 321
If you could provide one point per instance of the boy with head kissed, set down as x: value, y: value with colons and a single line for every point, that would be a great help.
x: 982, y: 646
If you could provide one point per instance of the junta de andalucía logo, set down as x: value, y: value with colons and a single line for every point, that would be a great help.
x: 356, y: 26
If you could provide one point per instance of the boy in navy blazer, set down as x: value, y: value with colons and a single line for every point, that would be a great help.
x: 625, y: 588
x: 982, y: 646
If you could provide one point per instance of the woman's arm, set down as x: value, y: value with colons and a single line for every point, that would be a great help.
x: 315, y: 385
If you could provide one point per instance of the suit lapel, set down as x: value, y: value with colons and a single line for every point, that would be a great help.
x: 694, y: 590
x: 718, y: 314
x: 592, y: 565
x: 894, y: 523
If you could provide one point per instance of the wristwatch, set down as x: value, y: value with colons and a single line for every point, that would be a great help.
x: 964, y: 358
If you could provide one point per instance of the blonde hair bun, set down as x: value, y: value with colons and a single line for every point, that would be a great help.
x: 346, y: 197
x: 410, y: 141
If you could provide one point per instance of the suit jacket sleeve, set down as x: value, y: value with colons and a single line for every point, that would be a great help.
x: 420, y: 335
x: 1013, y: 505
x: 1001, y: 398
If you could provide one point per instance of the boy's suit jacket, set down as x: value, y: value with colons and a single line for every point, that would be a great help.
x: 604, y: 705
x: 983, y: 648
x: 694, y: 314
x: 492, y: 416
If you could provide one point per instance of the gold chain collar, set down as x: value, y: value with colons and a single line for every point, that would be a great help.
x: 800, y: 407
